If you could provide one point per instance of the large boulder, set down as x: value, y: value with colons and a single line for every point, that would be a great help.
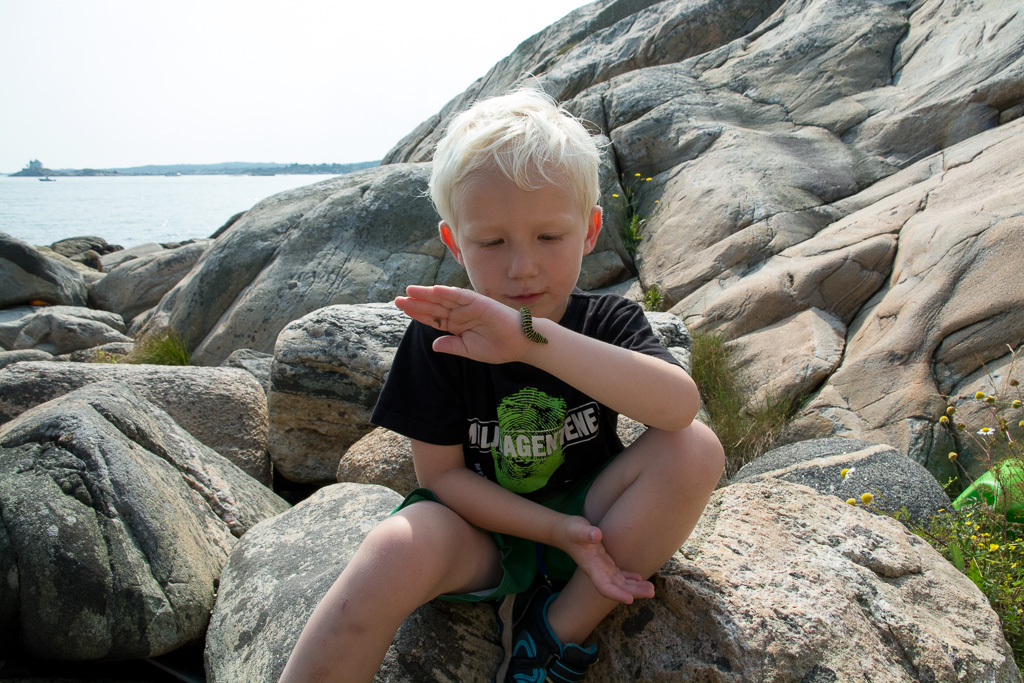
x: 63, y: 329
x: 777, y: 583
x: 224, y: 408
x: 116, y: 525
x: 138, y: 284
x: 27, y: 275
x: 896, y: 483
x: 277, y: 575
x: 328, y: 369
x: 928, y: 273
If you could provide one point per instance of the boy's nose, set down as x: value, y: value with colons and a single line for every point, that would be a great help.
x: 523, y: 264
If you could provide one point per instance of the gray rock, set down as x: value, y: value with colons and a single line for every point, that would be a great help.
x: 224, y: 408
x: 116, y: 525
x: 895, y: 481
x: 63, y: 329
x: 328, y: 370
x: 76, y: 246
x: 382, y: 457
x: 255, y: 363
x: 864, y: 599
x: 277, y: 574
x: 27, y: 275
x: 11, y: 357
x: 116, y: 258
x: 114, y: 352
x: 138, y: 284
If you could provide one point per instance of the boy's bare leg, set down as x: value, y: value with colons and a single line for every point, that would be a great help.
x: 420, y: 552
x: 646, y: 503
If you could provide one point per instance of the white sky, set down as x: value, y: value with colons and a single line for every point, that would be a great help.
x: 114, y: 83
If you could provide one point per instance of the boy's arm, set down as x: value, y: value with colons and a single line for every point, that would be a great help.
x: 644, y: 388
x: 487, y: 505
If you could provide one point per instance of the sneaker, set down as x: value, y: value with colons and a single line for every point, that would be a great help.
x: 533, y: 653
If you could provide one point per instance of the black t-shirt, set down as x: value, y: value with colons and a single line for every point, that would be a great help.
x: 518, y: 426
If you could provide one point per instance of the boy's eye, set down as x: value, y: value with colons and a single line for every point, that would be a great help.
x: 550, y: 238
x: 491, y: 243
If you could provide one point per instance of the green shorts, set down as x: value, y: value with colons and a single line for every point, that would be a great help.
x: 522, y: 559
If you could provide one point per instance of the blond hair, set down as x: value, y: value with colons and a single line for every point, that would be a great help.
x: 524, y: 135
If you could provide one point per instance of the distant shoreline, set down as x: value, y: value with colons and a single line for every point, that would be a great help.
x: 229, y: 168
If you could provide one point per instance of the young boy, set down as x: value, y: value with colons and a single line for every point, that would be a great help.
x: 510, y: 394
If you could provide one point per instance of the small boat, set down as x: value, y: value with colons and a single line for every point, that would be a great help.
x: 47, y: 179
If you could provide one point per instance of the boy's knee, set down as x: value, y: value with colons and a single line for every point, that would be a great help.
x: 697, y: 454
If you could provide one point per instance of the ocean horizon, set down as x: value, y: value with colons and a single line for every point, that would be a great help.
x: 132, y: 210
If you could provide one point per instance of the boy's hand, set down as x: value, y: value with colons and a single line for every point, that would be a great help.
x: 582, y: 542
x: 479, y: 327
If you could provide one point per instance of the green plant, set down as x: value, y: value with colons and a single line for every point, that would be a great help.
x: 745, y: 433
x: 981, y: 543
x: 633, y: 220
x: 652, y: 298
x: 164, y: 348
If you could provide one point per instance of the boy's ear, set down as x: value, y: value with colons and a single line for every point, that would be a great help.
x: 448, y: 237
x: 594, y: 223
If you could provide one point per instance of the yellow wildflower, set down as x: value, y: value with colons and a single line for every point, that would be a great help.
x: 851, y: 501
x: 990, y: 399
x: 944, y: 420
x: 993, y: 546
x: 979, y: 395
x: 950, y: 410
x: 1016, y: 403
x: 844, y: 472
x: 615, y: 195
x: 953, y: 455
x: 985, y: 431
x: 866, y: 498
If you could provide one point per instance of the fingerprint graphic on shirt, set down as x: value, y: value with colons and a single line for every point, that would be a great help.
x: 530, y: 448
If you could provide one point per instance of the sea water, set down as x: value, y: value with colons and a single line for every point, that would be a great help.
x: 131, y: 210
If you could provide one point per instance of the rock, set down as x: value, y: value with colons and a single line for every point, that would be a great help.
x: 255, y: 363
x: 328, y: 370
x: 114, y: 352
x: 382, y: 457
x: 673, y: 335
x: 63, y: 329
x: 116, y: 258
x: 76, y: 246
x: 863, y: 600
x: 138, y: 284
x: 895, y: 481
x: 277, y: 574
x: 116, y: 525
x: 11, y: 357
x: 945, y: 303
x: 788, y: 359
x: 224, y: 408
x: 26, y: 275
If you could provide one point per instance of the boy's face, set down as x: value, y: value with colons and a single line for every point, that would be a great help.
x: 522, y: 248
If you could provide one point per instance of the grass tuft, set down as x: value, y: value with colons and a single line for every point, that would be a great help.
x: 744, y: 435
x: 165, y: 348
